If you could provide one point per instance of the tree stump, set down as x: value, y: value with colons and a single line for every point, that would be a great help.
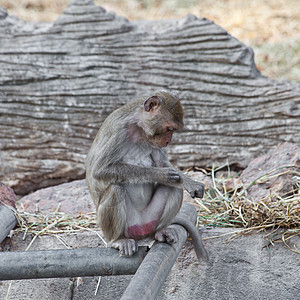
x: 60, y: 80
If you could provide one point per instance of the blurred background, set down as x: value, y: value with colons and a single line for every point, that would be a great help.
x: 270, y: 27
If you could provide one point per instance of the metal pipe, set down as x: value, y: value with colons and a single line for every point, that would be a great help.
x: 8, y: 221
x: 100, y: 262
x: 68, y: 263
x: 151, y: 275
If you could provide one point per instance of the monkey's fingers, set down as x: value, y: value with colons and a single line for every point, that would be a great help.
x: 127, y: 247
x: 172, y: 236
x: 199, y: 193
x: 173, y: 176
x: 169, y: 235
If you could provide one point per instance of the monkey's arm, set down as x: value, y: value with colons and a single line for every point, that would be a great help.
x: 194, y: 188
x: 122, y: 172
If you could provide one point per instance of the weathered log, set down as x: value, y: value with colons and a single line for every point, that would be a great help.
x: 59, y: 81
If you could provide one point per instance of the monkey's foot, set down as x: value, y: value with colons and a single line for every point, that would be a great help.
x: 169, y: 235
x: 126, y: 247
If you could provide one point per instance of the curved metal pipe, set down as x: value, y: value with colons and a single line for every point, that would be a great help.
x: 151, y: 275
x: 150, y: 270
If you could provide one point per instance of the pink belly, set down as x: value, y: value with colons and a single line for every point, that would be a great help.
x: 141, y: 231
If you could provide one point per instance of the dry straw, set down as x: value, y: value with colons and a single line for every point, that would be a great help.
x: 232, y: 208
x: 54, y: 223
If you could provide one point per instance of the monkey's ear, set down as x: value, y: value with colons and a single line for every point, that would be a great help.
x: 151, y: 104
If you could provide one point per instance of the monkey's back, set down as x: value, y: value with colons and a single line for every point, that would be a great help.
x: 108, y: 147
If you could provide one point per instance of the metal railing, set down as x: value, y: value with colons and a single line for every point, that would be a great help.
x: 150, y: 269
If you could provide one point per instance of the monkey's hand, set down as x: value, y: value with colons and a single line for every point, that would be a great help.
x: 195, y: 188
x: 126, y: 247
x: 169, y: 235
x: 173, y: 176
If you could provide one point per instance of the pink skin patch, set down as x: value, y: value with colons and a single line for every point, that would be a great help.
x: 141, y: 231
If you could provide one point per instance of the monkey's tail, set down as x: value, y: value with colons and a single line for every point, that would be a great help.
x: 195, y: 235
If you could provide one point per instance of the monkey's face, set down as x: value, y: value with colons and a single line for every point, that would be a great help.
x: 162, y: 115
x: 162, y: 138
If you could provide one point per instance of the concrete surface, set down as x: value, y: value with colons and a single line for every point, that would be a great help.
x: 239, y: 270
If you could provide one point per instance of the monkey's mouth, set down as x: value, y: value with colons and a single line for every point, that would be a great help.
x: 161, y: 140
x: 158, y: 145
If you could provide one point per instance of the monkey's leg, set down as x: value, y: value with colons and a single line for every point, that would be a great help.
x: 171, y: 208
x: 166, y: 233
x: 149, y: 207
x: 112, y: 215
x: 144, y: 210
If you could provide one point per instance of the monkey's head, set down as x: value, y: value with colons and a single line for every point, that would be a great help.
x: 162, y: 115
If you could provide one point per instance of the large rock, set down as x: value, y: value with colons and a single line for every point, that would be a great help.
x: 73, y: 198
x: 7, y: 216
x: 7, y: 195
x: 273, y: 174
x: 59, y: 81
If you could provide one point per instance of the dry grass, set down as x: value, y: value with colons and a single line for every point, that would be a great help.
x: 37, y: 224
x: 230, y: 207
x: 54, y: 223
x: 271, y: 27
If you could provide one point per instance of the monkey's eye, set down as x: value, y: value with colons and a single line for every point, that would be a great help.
x: 170, y: 128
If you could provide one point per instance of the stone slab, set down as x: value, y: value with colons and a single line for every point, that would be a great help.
x: 242, y: 269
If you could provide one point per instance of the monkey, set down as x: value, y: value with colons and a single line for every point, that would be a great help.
x: 136, y: 190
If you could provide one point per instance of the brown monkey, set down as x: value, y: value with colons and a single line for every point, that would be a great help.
x: 136, y: 190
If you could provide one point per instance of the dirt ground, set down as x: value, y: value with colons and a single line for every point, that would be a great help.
x: 271, y: 27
